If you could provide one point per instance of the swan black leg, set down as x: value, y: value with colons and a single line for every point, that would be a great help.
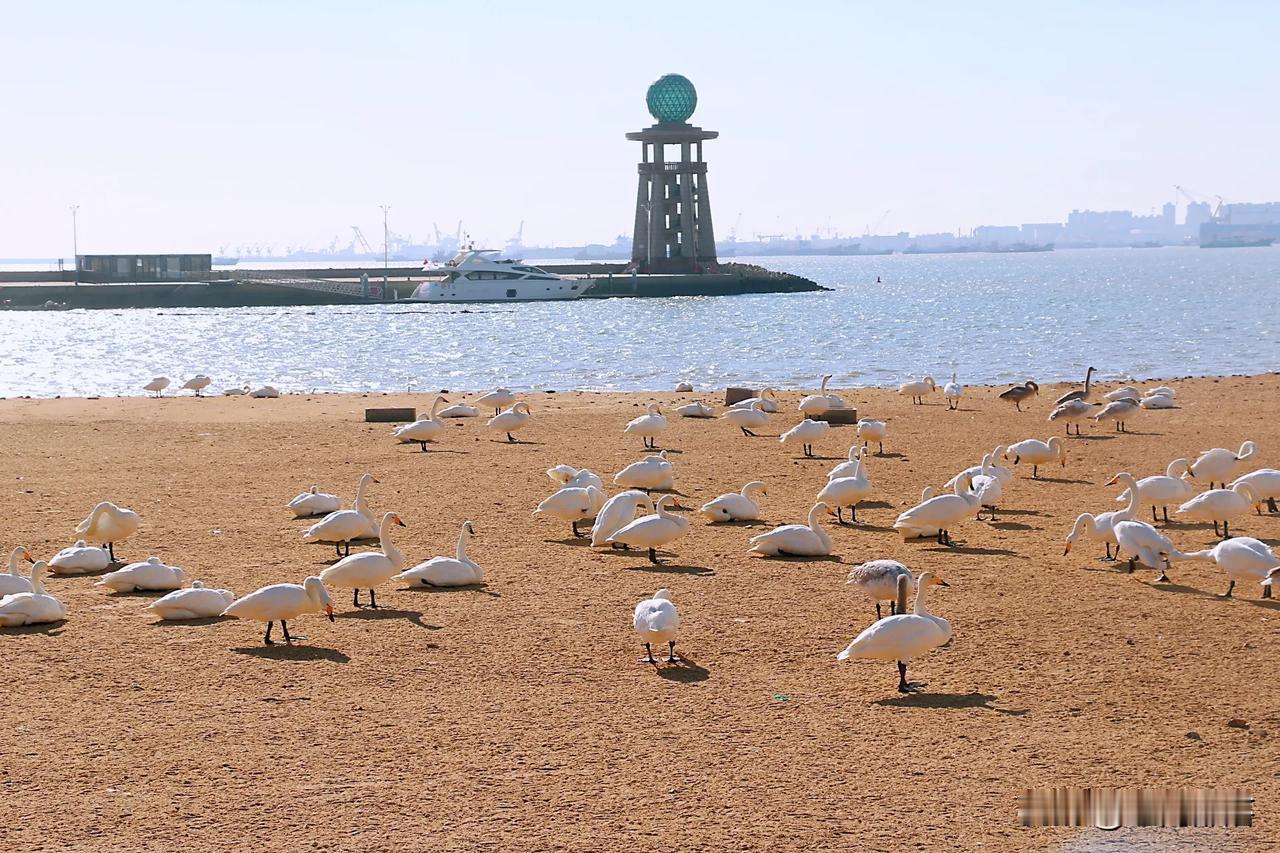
x: 653, y: 557
x: 574, y: 525
x: 1266, y: 591
x: 1165, y: 511
x: 355, y: 598
x: 287, y: 638
x: 903, y: 687
x: 1231, y: 587
x: 1271, y: 505
x: 1226, y: 530
x: 1216, y: 531
x: 423, y: 445
x: 878, y: 616
x: 893, y: 608
x: 648, y: 651
x: 373, y: 599
x: 267, y: 638
x: 511, y: 438
x: 671, y: 652
x: 1153, y: 514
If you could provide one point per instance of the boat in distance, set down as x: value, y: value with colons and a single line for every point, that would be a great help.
x: 478, y: 275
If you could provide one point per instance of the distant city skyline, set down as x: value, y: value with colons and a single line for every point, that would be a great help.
x: 283, y: 124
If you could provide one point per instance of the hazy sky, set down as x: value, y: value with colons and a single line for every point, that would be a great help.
x: 189, y: 126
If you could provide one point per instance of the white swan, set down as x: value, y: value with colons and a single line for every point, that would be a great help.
x: 650, y: 473
x: 870, y: 430
x: 281, y: 602
x: 513, y: 419
x: 459, y: 410
x: 878, y: 580
x: 988, y: 488
x: 939, y: 513
x: 79, y: 559
x: 748, y: 419
x: 735, y: 506
x: 1161, y: 490
x: 917, y: 390
x: 1265, y: 485
x: 151, y: 574
x: 847, y: 491
x: 572, y: 504
x: 157, y: 385
x: 1000, y: 472
x: 653, y: 531
x: 1119, y: 411
x: 684, y: 388
x: 1122, y: 393
x: 1219, y: 505
x: 13, y: 582
x: 617, y: 512
x: 1219, y: 464
x: 1158, y: 401
x: 952, y: 392
x: 459, y: 570
x: 109, y: 524
x: 804, y: 434
x: 1242, y: 558
x: 767, y: 399
x: 1073, y: 412
x: 31, y: 608
x: 1101, y: 527
x: 197, y: 383
x: 235, y: 392
x: 423, y: 430
x: 857, y: 454
x: 656, y: 621
x: 822, y: 402
x: 648, y: 426
x: 195, y: 602
x: 696, y: 409
x: 497, y: 398
x: 1146, y: 545
x: 904, y: 636
x: 795, y: 540
x: 1038, y: 453
x: 314, y: 502
x: 345, y: 526
x: 265, y: 392
x: 367, y: 570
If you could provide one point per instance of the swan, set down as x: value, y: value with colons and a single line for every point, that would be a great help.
x: 753, y: 417
x: 869, y: 431
x: 656, y: 621
x: 265, y: 392
x: 650, y: 473
x: 195, y: 602
x: 367, y: 570
x: 1122, y: 393
x: 804, y: 433
x: 1000, y: 472
x: 767, y: 399
x: 1019, y: 394
x: 1163, y: 390
x: 653, y: 531
x: 822, y: 402
x: 857, y: 455
x: 347, y: 525
x: 648, y: 426
x: 13, y: 582
x: 1242, y: 558
x: 1158, y: 401
x: 567, y: 475
x: 917, y: 390
x: 1161, y: 490
x: 1073, y: 412
x: 423, y: 430
x: 952, y: 392
x: 282, y: 602
x: 988, y: 488
x: 585, y: 478
x: 79, y: 559
x: 109, y: 524
x: 846, y: 491
x: 903, y: 636
x: 152, y: 574
x: 1080, y: 394
x: 497, y: 398
x: 1265, y: 485
x: 736, y: 506
x: 314, y: 502
x: 515, y: 418
x: 1219, y: 505
x: 939, y: 512
x: 1146, y: 545
x: 795, y: 540
x: 1101, y: 527
x: 696, y: 409
x: 157, y: 385
x: 878, y: 580
x: 572, y: 504
x: 459, y: 410
x: 31, y: 608
x: 459, y: 570
x: 684, y: 388
x: 235, y: 392
x: 1038, y: 453
x: 197, y: 383
x: 1219, y: 464
x: 617, y: 512
x: 1118, y: 411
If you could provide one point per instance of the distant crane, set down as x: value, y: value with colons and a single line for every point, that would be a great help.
x: 871, y: 229
x: 733, y: 232
x: 361, y: 241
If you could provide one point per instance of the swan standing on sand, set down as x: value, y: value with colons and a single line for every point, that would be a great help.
x: 940, y: 512
x: 736, y: 506
x: 109, y: 524
x: 195, y: 602
x: 652, y: 473
x: 1101, y: 527
x: 656, y: 621
x: 1019, y: 394
x: 424, y: 430
x: 904, y: 636
x: 281, y: 602
x: 696, y: 409
x: 151, y: 574
x: 197, y: 383
x: 515, y: 418
x: 648, y: 426
x: 1038, y: 453
x: 988, y: 489
x: 1242, y: 558
x: 767, y: 399
x: 157, y: 385
x: 31, y: 608
x: 1219, y: 505
x: 617, y: 512
x: 878, y: 580
x: 1161, y: 490
x: 1219, y: 464
x: 917, y: 390
x: 572, y: 504
x: 952, y: 392
x: 346, y: 526
x: 1080, y: 394
x: 869, y: 431
x: 1265, y: 485
x: 459, y: 410
x: 497, y: 398
x: 314, y: 502
x: 459, y: 570
x: 804, y: 434
x: 822, y: 402
x: 79, y: 559
x: 747, y: 419
x: 795, y: 540
x: 1000, y: 472
x: 847, y: 491
x: 857, y: 453
x: 367, y: 570
x: 1146, y: 545
x: 1119, y: 411
x: 653, y: 531
x: 13, y: 582
x: 1073, y: 412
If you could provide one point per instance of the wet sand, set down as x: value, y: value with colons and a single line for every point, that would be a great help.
x: 517, y: 715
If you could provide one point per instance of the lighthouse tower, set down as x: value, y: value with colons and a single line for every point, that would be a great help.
x: 673, y: 231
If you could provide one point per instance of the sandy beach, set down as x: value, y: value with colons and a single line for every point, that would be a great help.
x: 517, y: 716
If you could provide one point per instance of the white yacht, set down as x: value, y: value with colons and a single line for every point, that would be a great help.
x: 477, y: 275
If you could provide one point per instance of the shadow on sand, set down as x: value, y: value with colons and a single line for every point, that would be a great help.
x: 683, y: 670
x: 413, y: 616
x: 293, y: 653
x: 950, y: 700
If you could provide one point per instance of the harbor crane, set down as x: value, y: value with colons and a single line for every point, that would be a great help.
x: 361, y: 241
x: 871, y: 229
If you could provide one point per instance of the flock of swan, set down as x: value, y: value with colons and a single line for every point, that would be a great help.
x: 1212, y: 488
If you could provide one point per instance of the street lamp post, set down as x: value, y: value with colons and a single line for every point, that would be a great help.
x: 385, y: 240
x: 75, y: 242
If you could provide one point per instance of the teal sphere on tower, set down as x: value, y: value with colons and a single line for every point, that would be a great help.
x: 671, y: 98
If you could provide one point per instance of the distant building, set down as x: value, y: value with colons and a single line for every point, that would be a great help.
x: 109, y: 268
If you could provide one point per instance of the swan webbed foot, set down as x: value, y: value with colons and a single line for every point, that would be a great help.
x: 653, y: 557
x: 1231, y: 587
x: 903, y: 686
x: 648, y: 658
x: 373, y: 599
x: 1164, y: 578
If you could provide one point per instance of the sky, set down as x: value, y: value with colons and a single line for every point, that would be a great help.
x: 218, y: 125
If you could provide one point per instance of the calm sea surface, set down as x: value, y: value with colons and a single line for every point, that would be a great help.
x: 1136, y: 313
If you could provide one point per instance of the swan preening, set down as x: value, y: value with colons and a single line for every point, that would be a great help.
x: 648, y: 426
x: 574, y: 504
x: 653, y: 531
x: 157, y: 385
x: 656, y: 621
x: 458, y: 570
x: 109, y: 524
x: 917, y: 390
x: 31, y: 608
x: 424, y: 430
x: 748, y: 419
x: 822, y: 402
x: 1219, y: 464
x: 870, y: 430
x: 903, y: 636
x: 796, y: 540
x: 1146, y: 545
x: 1119, y: 411
x: 766, y: 398
x: 1019, y: 394
x: 367, y: 570
x: 343, y: 527
x: 1073, y: 411
x: 652, y: 473
x: 197, y: 383
x: 1265, y: 485
x: 736, y: 506
x: 497, y: 398
x: 151, y: 574
x: 878, y: 580
x: 513, y: 419
x: 314, y: 502
x: 617, y: 512
x: 804, y: 434
x: 936, y: 515
x: 281, y: 602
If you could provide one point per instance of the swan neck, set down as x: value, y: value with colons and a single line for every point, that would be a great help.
x: 388, y: 547
x: 462, y: 545
x: 919, y: 609
x: 14, y: 558
x: 1132, y: 507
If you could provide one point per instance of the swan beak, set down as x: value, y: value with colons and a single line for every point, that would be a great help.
x: 1110, y: 482
x: 328, y: 611
x: 1066, y: 550
x: 676, y: 504
x: 26, y: 555
x: 401, y: 523
x: 941, y: 582
x: 375, y: 479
